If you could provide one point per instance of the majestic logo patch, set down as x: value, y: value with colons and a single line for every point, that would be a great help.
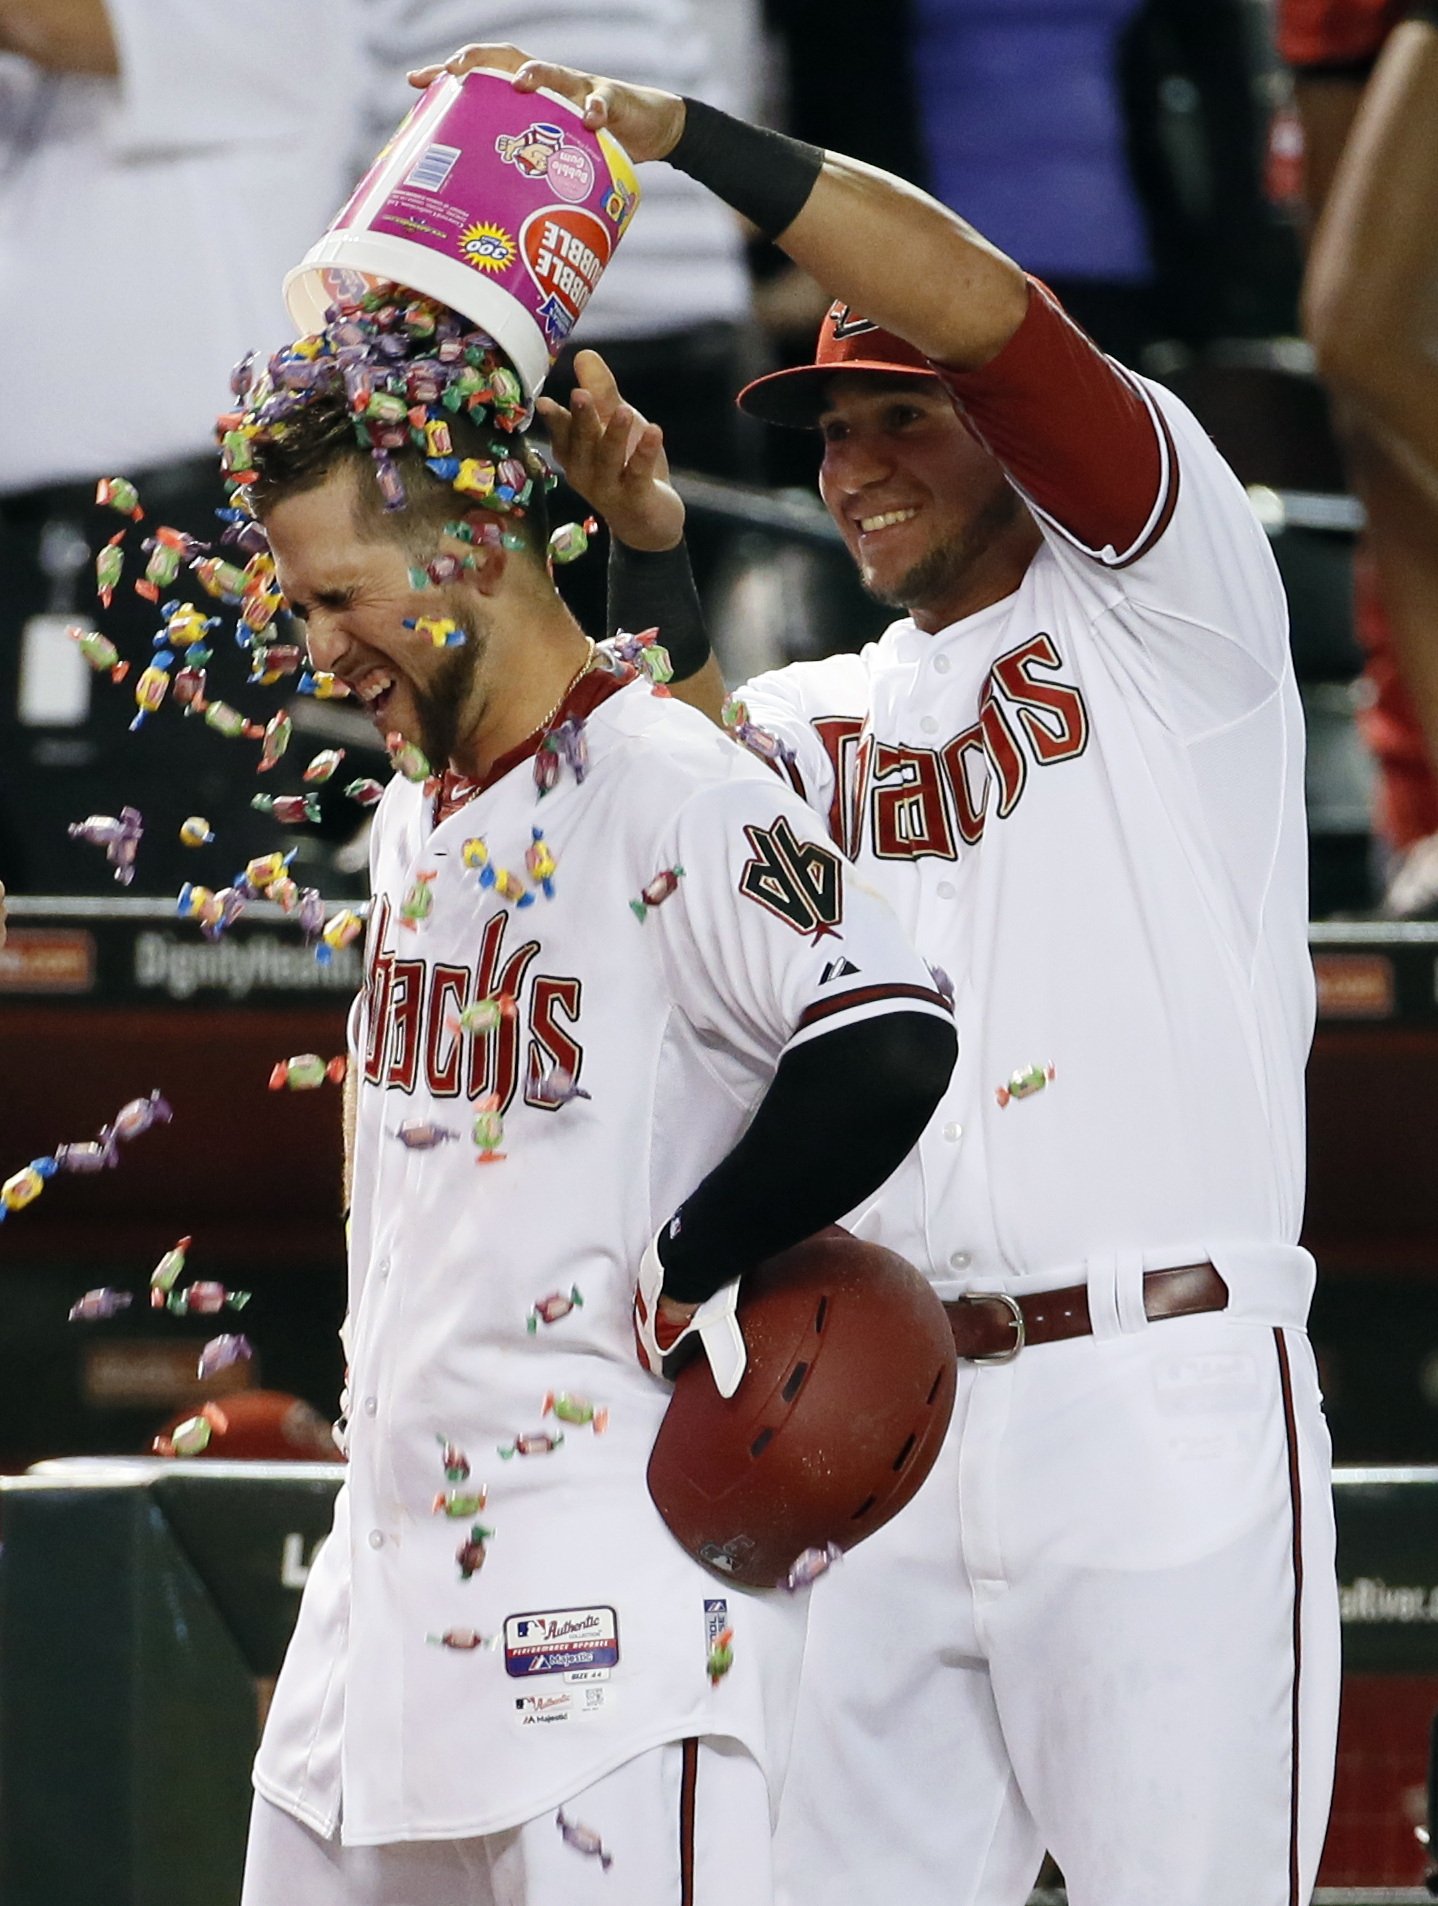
x: 798, y: 880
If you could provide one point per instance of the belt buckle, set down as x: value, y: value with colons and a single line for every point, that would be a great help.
x: 1016, y: 1316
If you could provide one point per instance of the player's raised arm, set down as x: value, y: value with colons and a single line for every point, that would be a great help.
x: 872, y: 240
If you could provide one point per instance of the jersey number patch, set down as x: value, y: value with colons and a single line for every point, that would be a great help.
x: 798, y: 880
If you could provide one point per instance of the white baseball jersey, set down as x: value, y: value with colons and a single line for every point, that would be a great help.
x: 1107, y: 1625
x: 1086, y: 803
x: 500, y: 1616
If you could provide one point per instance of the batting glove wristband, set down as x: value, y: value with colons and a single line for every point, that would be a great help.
x: 715, y: 1324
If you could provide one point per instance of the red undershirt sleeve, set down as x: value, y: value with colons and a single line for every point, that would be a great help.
x: 1082, y: 440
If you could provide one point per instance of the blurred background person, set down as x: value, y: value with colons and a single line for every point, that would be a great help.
x: 1371, y: 185
x: 162, y: 165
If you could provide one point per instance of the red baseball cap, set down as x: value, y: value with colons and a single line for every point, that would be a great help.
x: 846, y: 343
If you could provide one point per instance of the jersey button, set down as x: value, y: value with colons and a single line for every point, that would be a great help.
x: 941, y: 664
x: 370, y: 1406
x: 376, y: 1538
x: 946, y: 890
x: 960, y: 1260
x: 383, y: 1267
x: 929, y: 725
x: 953, y: 1133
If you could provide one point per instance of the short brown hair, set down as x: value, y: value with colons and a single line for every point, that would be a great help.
x: 318, y: 437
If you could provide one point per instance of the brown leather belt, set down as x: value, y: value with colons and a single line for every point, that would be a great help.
x: 993, y: 1326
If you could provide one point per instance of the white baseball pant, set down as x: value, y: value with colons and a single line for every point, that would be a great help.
x: 1106, y: 1626
x: 686, y: 1824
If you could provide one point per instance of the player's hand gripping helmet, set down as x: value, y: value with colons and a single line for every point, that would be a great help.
x: 837, y: 1420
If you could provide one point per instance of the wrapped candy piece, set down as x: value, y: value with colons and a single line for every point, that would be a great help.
x: 322, y: 766
x: 555, y: 1089
x: 196, y: 831
x: 575, y: 1409
x: 721, y: 1656
x: 188, y: 690
x: 99, y: 1304
x: 571, y: 540
x: 284, y: 892
x: 456, y: 1503
x: 488, y: 1130
x: 205, y: 1298
x: 453, y: 1461
x: 418, y: 902
x: 190, y: 1438
x: 584, y: 1840
x: 656, y: 892
x: 540, y: 863
x: 24, y: 1186
x: 149, y: 693
x: 278, y: 731
x: 406, y: 757
x: 344, y: 927
x: 806, y: 1569
x: 311, y: 912
x: 484, y: 1015
x: 138, y: 1115
x: 109, y: 567
x: 305, y: 1071
x: 225, y: 720
x: 323, y: 686
x: 421, y: 1135
x: 264, y: 870
x: 365, y: 791
x: 470, y: 1555
x: 99, y: 651
x: 269, y: 664
x: 118, y: 835
x: 943, y: 985
x: 445, y: 568
x: 567, y: 744
x: 119, y: 493
x: 259, y: 609
x: 442, y: 631
x: 221, y: 578
x: 185, y: 627
x: 289, y: 809
x: 222, y: 1353
x: 462, y: 1640
x: 168, y: 1272
x: 533, y: 1443
x: 550, y: 1309
x: 90, y: 1154
x: 1024, y: 1083
x: 437, y: 439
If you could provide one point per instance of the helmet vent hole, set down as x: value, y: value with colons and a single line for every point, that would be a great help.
x: 863, y: 1509
x: 938, y: 1379
x: 820, y: 1314
x: 761, y: 1442
x: 905, y: 1453
x: 796, y: 1378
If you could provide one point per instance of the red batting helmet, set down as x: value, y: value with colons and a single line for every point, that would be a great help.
x: 847, y: 342
x: 838, y: 1419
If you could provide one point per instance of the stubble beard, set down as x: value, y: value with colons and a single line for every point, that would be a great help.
x: 942, y: 568
x: 448, y: 699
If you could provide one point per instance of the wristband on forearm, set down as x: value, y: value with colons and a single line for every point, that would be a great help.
x: 764, y: 175
x: 654, y: 589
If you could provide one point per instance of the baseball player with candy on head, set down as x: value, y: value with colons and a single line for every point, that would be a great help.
x: 615, y: 981
x: 1107, y: 1624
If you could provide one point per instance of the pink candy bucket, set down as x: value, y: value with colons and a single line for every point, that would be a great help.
x: 497, y: 203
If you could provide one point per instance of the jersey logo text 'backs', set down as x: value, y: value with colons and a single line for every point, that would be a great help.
x: 920, y: 802
x: 798, y: 880
x: 412, y: 1034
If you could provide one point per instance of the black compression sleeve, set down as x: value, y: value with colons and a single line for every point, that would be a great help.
x: 762, y: 174
x: 654, y: 589
x: 842, y: 1112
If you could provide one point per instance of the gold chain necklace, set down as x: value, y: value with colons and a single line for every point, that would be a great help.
x: 574, y: 681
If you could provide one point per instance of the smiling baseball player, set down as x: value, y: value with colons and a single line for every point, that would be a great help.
x: 1107, y: 1624
x: 613, y: 982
